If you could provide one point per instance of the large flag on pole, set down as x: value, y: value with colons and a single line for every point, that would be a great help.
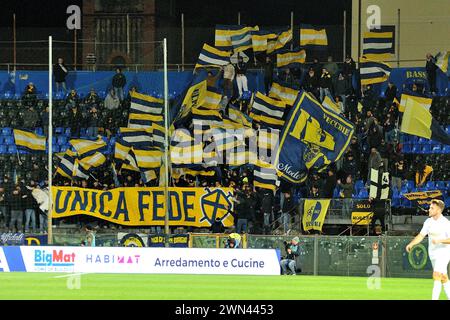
x: 313, y: 137
x: 379, y: 44
x: 28, y: 140
x: 417, y: 120
x: 373, y: 71
x: 210, y: 56
x: 291, y: 59
x: 312, y: 36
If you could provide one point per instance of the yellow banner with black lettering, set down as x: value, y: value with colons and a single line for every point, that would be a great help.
x: 191, y: 207
x: 314, y: 214
x: 361, y: 218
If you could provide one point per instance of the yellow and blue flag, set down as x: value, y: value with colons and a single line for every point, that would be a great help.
x: 314, y: 213
x: 224, y: 33
x: 210, y: 56
x: 265, y: 175
x: 405, y: 97
x: 417, y: 120
x: 313, y: 137
x: 144, y: 110
x: 442, y: 59
x: 283, y: 92
x: 291, y: 59
x: 267, y: 112
x: 379, y: 44
x: 28, y: 140
x: 312, y: 36
x: 373, y: 71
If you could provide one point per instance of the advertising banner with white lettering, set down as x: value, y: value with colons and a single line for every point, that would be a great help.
x: 140, y: 260
x: 195, y: 207
x: 313, y: 137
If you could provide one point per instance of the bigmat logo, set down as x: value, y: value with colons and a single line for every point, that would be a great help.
x: 54, y: 258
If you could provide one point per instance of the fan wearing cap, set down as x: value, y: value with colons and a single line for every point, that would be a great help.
x: 292, y: 252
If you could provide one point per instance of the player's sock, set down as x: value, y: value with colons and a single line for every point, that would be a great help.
x: 447, y: 289
x: 436, y: 290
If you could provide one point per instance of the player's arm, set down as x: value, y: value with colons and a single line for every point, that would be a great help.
x: 444, y: 241
x: 418, y: 239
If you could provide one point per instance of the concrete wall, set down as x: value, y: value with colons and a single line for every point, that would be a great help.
x: 424, y: 27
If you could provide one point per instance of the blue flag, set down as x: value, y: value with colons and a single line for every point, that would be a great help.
x: 313, y: 137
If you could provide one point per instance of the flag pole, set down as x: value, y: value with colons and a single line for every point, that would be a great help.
x: 166, y: 147
x: 398, y: 38
x: 50, y: 139
x: 292, y: 30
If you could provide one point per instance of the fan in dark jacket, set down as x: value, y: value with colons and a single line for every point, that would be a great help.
x: 118, y: 83
x: 330, y: 184
x: 60, y: 71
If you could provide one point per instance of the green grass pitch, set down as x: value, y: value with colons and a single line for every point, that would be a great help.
x: 208, y: 287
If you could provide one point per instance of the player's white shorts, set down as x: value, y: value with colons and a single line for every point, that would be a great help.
x: 440, y: 264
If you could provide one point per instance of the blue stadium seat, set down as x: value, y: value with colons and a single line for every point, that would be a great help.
x: 53, y: 140
x: 63, y: 148
x: 7, y: 131
x: 9, y: 140
x: 423, y: 141
x: 39, y: 131
x: 440, y: 185
x: 2, y: 140
x: 426, y: 148
x: 406, y: 148
x: 336, y: 192
x: 62, y: 140
x: 67, y: 132
x: 447, y: 129
x: 83, y: 132
x: 12, y: 149
x: 359, y: 184
x: 446, y: 149
x: 409, y: 184
x: 430, y: 185
x: 416, y: 149
x: 405, y: 202
x: 395, y: 202
x: 2, y: 149
x: 436, y: 149
x: 363, y: 194
x: 59, y: 130
x: 55, y: 148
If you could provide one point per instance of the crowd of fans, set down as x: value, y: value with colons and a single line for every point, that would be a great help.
x: 377, y: 144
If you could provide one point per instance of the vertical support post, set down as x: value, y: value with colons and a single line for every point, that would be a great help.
x: 344, y: 52
x: 166, y: 146
x: 50, y: 138
x: 75, y: 49
x: 398, y: 38
x: 128, y: 34
x: 239, y: 18
x: 14, y: 41
x: 292, y: 29
x: 359, y: 31
x: 182, y: 41
x: 316, y: 254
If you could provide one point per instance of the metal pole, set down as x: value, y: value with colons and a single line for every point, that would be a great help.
x: 50, y: 138
x: 182, y: 41
x: 398, y: 38
x: 239, y: 18
x: 14, y: 40
x: 292, y: 29
x: 166, y: 147
x: 128, y: 34
x: 75, y: 49
x: 345, y: 36
x: 316, y: 255
x: 359, y: 30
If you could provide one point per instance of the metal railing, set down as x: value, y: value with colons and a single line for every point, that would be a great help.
x: 319, y: 255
